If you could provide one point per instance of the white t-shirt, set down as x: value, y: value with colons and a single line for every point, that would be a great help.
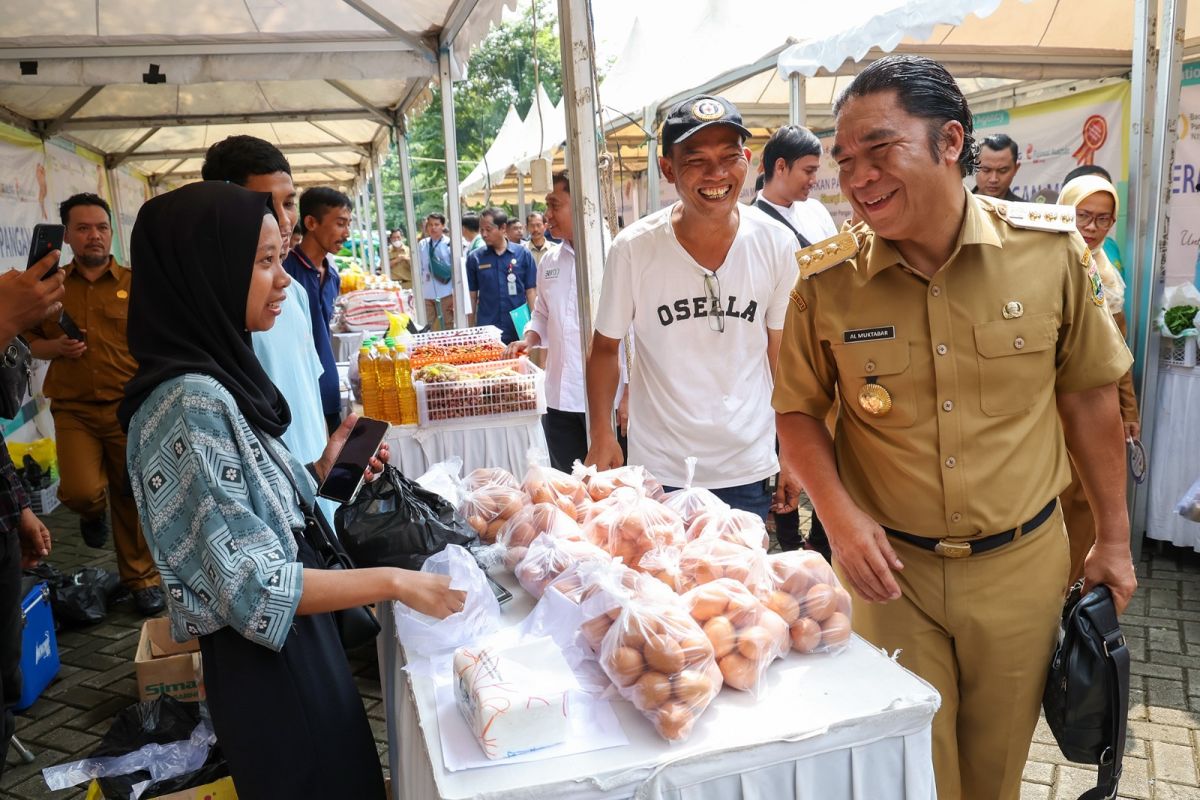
x: 695, y: 391
x: 809, y: 217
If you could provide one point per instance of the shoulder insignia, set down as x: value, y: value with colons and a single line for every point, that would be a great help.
x: 798, y: 301
x: 1036, y: 216
x: 825, y: 254
x: 1093, y: 273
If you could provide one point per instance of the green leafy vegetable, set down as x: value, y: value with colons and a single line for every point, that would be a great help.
x: 1179, y: 318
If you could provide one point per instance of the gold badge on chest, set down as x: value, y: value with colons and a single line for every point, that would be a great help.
x: 1013, y: 309
x: 874, y: 399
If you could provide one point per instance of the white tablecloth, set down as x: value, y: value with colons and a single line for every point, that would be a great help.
x: 1174, y: 456
x: 503, y: 443
x: 854, y: 726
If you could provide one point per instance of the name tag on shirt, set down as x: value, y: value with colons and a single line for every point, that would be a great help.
x: 551, y: 273
x: 485, y: 265
x: 869, y: 334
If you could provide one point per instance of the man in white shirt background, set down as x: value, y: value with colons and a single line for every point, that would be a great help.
x: 437, y: 285
x: 705, y: 285
x: 790, y: 162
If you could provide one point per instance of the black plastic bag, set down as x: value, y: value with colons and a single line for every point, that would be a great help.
x: 82, y: 598
x: 394, y: 522
x: 161, y: 721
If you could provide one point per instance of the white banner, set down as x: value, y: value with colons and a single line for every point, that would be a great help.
x: 24, y: 200
x: 1183, y: 243
x: 132, y: 192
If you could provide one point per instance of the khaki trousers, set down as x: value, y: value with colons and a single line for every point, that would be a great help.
x: 981, y: 630
x: 93, y: 476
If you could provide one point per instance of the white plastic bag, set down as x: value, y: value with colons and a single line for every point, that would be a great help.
x: 691, y: 501
x: 162, y: 761
x: 425, y: 637
x: 1188, y: 506
x: 443, y: 479
x: 1185, y: 294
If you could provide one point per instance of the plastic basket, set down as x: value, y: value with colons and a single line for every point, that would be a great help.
x: 451, y: 402
x: 43, y: 501
x: 1179, y: 352
x: 467, y: 346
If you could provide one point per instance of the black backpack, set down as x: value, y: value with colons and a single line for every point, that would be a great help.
x: 1086, y: 698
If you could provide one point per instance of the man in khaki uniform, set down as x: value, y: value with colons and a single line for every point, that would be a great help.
x: 85, y: 383
x: 971, y: 348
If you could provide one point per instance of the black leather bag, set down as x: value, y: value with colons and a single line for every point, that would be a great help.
x: 1086, y: 698
x: 356, y: 626
x: 16, y: 376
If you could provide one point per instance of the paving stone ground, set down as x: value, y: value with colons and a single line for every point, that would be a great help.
x: 1162, y: 626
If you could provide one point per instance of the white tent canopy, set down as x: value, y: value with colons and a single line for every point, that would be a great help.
x: 154, y: 84
x: 545, y: 131
x: 497, y: 160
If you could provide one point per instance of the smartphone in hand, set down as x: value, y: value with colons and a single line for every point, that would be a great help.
x: 346, y: 475
x: 70, y: 328
x: 47, y: 237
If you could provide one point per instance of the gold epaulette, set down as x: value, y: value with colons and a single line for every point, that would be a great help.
x: 1035, y: 216
x: 825, y: 254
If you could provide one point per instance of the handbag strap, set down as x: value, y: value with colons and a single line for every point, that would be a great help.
x: 774, y: 212
x: 1104, y: 617
x: 326, y: 546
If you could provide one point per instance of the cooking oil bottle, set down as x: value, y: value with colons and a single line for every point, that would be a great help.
x: 404, y: 385
x: 387, y: 382
x: 368, y: 377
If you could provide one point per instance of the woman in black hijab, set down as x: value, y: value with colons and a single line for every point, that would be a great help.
x: 220, y: 514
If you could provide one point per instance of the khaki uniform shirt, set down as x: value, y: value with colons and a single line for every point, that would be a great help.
x: 972, y: 444
x: 401, y: 265
x: 101, y: 308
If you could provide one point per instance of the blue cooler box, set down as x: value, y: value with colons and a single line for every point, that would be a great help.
x: 39, y: 646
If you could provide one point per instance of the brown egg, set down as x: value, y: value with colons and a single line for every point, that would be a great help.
x: 651, y: 691
x: 843, y: 600
x: 743, y: 609
x: 720, y: 634
x: 593, y: 631
x: 696, y: 649
x: 755, y: 643
x: 478, y: 523
x: 671, y: 579
x: 674, y: 721
x: 664, y: 654
x: 820, y: 602
x: 738, y: 671
x: 806, y: 635
x: 784, y: 605
x: 692, y: 688
x: 515, y: 503
x: 835, y: 631
x: 514, y: 555
x: 780, y: 634
x: 626, y: 665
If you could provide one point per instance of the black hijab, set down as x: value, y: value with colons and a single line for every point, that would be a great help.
x: 193, y: 253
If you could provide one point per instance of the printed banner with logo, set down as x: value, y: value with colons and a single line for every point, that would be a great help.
x: 24, y: 197
x: 1183, y: 244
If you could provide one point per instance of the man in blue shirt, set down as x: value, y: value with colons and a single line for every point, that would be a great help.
x: 325, y: 215
x: 501, y: 276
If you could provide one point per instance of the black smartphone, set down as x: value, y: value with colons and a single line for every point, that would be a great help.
x: 70, y: 328
x: 345, y: 477
x: 47, y: 236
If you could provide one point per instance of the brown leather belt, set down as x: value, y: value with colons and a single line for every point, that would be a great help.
x: 949, y: 549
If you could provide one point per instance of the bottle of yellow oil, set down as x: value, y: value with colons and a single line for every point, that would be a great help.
x: 404, y: 385
x: 368, y: 377
x: 388, y: 392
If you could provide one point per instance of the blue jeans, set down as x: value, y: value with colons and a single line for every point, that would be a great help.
x: 752, y: 497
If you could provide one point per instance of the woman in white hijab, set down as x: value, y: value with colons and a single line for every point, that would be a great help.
x: 1096, y: 209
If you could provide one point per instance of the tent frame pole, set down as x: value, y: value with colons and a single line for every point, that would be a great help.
x: 1153, y: 247
x: 650, y: 122
x: 385, y: 261
x: 453, y: 201
x: 522, y: 211
x: 797, y: 108
x: 410, y: 219
x: 579, y: 90
x: 365, y: 221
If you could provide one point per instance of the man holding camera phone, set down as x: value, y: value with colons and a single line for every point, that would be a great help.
x: 85, y: 383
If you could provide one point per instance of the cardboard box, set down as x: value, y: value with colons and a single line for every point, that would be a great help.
x: 220, y: 789
x: 165, y: 666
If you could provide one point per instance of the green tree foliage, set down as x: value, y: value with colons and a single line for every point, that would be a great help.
x: 500, y: 71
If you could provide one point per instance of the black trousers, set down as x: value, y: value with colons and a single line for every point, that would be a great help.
x: 10, y: 634
x: 566, y: 437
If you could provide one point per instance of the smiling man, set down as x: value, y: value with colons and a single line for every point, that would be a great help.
x: 791, y: 160
x: 325, y: 215
x: 970, y: 345
x: 704, y: 285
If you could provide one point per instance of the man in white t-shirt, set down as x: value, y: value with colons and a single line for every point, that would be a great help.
x: 790, y: 162
x: 705, y: 286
